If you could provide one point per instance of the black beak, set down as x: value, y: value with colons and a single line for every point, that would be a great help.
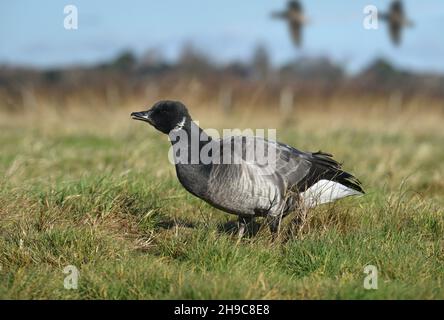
x: 142, y: 116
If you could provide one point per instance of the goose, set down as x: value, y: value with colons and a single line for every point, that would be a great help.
x: 232, y: 176
x: 294, y: 15
x: 397, y: 20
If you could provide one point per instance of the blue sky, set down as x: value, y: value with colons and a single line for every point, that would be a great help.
x: 31, y: 32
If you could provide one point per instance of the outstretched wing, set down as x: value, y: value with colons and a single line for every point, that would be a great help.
x: 279, y: 15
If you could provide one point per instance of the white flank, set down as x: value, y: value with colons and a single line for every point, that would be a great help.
x: 325, y: 191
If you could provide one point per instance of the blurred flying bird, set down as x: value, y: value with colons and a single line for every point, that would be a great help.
x: 231, y: 175
x: 294, y: 14
x: 397, y: 20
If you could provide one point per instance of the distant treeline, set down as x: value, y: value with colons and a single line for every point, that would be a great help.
x: 130, y: 78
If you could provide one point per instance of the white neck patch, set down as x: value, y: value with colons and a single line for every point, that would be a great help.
x: 180, y: 125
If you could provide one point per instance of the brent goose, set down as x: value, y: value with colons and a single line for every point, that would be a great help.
x: 237, y: 182
x: 397, y: 20
x: 294, y: 15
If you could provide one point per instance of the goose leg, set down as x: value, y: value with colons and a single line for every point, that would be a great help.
x: 243, y: 223
x: 274, y: 224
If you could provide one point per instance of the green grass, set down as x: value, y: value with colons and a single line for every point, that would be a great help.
x: 108, y: 202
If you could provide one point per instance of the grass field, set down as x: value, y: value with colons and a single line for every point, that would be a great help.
x: 95, y: 190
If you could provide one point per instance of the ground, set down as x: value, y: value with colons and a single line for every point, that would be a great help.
x: 96, y: 191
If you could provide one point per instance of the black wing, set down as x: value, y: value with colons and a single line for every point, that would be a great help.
x: 324, y: 167
x: 397, y: 7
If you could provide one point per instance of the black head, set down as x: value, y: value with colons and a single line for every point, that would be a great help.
x: 164, y: 115
x: 397, y: 7
x: 295, y: 5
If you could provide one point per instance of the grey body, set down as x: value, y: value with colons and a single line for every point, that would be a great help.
x: 240, y: 180
x: 250, y: 189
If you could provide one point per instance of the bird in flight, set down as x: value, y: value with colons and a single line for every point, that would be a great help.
x: 397, y: 21
x: 294, y: 15
x: 231, y: 175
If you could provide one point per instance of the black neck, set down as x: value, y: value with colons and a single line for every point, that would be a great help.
x: 190, y: 138
x: 191, y: 171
